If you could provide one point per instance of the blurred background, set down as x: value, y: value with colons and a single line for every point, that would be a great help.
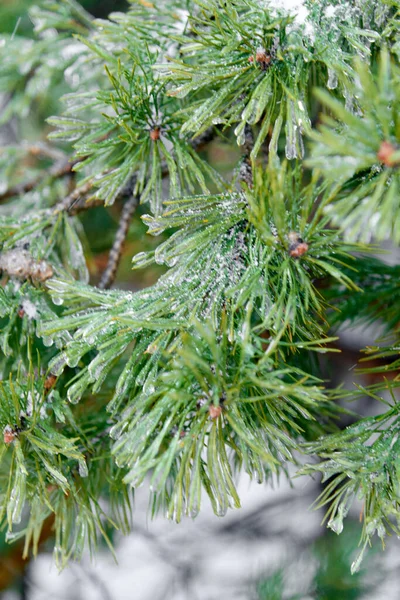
x: 274, y: 548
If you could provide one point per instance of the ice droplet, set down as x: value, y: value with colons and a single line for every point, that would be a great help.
x: 239, y: 132
x: 11, y: 536
x: 355, y: 565
x: 73, y: 361
x: 83, y: 470
x: 290, y: 149
x: 332, y: 79
x: 74, y: 394
x: 17, y: 503
x: 58, y: 364
x: 336, y: 524
x: 47, y: 341
x: 349, y: 100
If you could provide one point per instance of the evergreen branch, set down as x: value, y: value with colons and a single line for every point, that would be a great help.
x: 266, y: 75
x: 133, y: 143
x: 361, y: 461
x: 379, y: 299
x: 219, y: 264
x: 209, y: 391
x: 364, y: 155
x: 33, y: 474
x: 211, y: 369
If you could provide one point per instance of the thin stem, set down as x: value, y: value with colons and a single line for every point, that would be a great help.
x: 57, y: 171
x: 73, y: 198
x: 83, y: 205
x: 83, y: 14
x: 114, y: 257
x: 246, y: 169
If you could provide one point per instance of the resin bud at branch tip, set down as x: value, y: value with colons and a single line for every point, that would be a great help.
x: 385, y: 154
x: 215, y: 411
x: 155, y: 133
x: 297, y: 246
x: 9, y: 434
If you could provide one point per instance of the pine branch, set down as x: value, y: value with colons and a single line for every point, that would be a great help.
x: 210, y: 370
x: 361, y: 461
x: 363, y: 156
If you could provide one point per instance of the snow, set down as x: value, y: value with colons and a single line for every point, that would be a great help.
x: 330, y: 11
x: 297, y: 9
x: 292, y: 6
x: 29, y: 405
x: 29, y: 309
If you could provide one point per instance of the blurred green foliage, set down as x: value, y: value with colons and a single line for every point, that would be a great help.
x: 15, y: 12
x: 332, y: 579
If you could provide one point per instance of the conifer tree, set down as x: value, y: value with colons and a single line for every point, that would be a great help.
x: 212, y: 370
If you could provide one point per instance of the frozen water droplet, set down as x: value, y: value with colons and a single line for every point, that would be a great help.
x: 194, y: 508
x: 355, y: 566
x: 17, y: 503
x: 116, y: 431
x: 290, y: 149
x: 336, y: 524
x: 240, y: 135
x: 221, y: 511
x: 83, y: 470
x: 11, y: 536
x: 349, y: 100
x: 58, y: 364
x: 73, y: 361
x: 332, y: 79
x: 47, y: 341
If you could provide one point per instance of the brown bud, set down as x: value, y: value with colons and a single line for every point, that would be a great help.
x: 41, y: 270
x: 299, y: 250
x: 21, y: 312
x: 155, y: 133
x: 297, y: 246
x: 263, y: 58
x: 50, y: 382
x: 385, y: 153
x: 215, y: 411
x: 9, y: 434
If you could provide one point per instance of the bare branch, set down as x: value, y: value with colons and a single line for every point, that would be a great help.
x: 246, y: 169
x: 58, y: 170
x: 114, y: 257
